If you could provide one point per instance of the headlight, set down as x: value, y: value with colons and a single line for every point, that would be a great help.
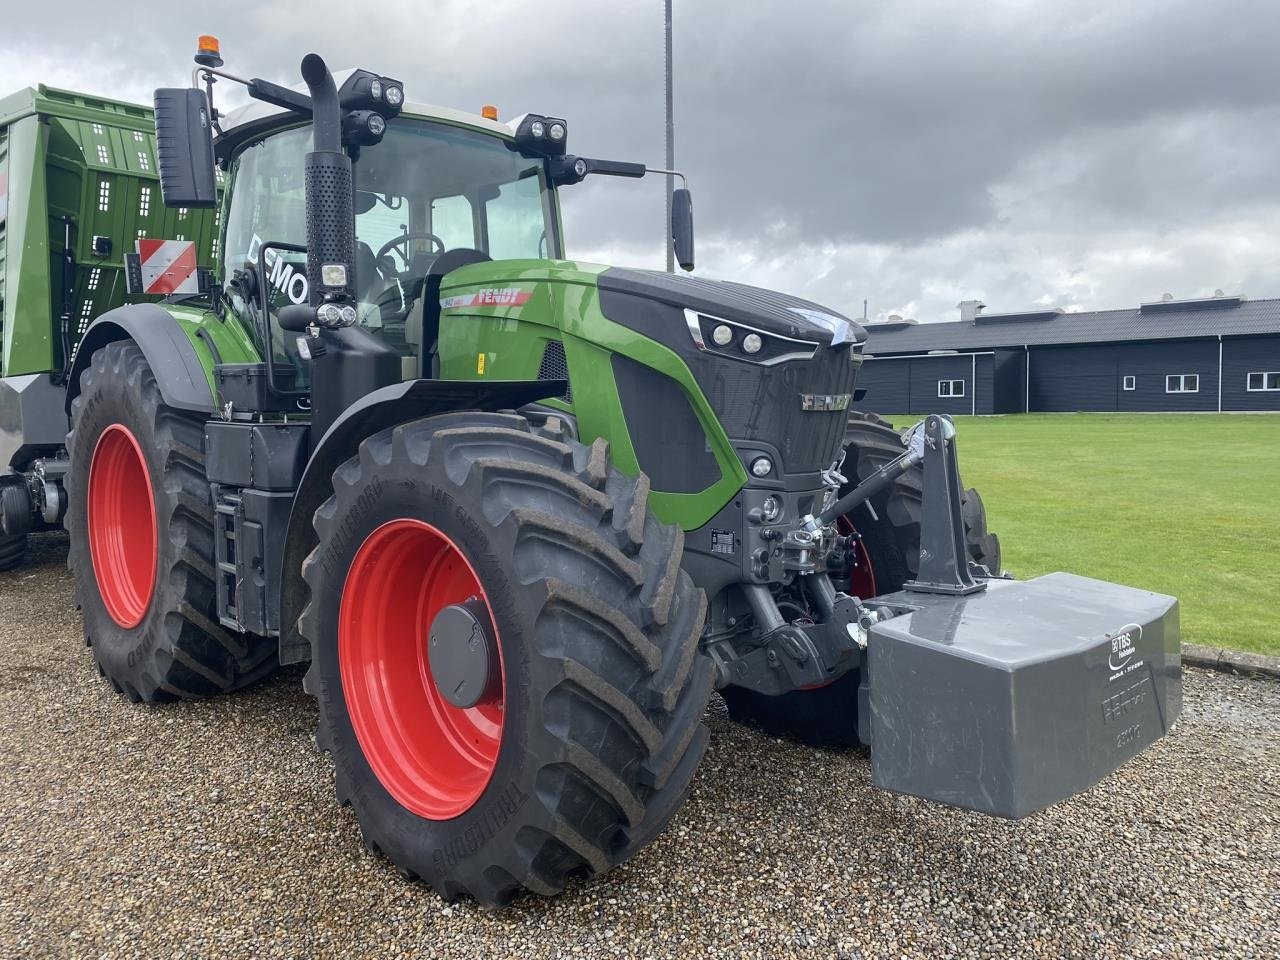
x: 375, y: 89
x: 395, y: 96
x: 761, y: 467
x: 753, y: 345
x: 771, y: 509
x: 539, y: 136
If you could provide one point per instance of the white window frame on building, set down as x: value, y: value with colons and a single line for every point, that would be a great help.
x: 948, y: 388
x: 1130, y: 382
x: 1182, y: 380
x: 1268, y: 381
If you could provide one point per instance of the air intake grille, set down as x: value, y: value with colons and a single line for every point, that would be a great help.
x: 554, y: 366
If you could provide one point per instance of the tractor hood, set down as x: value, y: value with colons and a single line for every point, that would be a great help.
x: 765, y: 310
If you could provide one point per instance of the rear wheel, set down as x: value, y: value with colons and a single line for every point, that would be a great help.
x: 886, y: 555
x: 505, y: 655
x: 140, y: 517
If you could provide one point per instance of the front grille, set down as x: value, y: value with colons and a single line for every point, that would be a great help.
x: 764, y: 403
x: 555, y: 366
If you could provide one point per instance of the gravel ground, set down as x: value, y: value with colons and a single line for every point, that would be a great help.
x: 210, y: 828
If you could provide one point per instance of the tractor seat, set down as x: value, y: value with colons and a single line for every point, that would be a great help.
x: 397, y: 299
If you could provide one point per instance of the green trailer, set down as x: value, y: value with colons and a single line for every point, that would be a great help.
x: 79, y: 186
x: 520, y: 514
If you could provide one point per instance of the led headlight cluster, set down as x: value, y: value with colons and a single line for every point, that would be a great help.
x: 541, y: 136
x: 741, y: 342
x: 364, y: 90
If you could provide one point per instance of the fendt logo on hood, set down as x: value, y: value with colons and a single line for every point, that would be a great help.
x: 1122, y: 648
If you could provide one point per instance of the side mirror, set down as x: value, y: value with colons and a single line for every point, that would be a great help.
x: 682, y: 227
x: 184, y: 147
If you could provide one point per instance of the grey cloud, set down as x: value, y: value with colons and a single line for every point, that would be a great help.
x: 913, y: 153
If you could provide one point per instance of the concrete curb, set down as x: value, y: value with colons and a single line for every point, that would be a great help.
x: 1231, y: 661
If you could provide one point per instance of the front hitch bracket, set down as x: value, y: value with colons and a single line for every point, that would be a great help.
x: 944, y: 559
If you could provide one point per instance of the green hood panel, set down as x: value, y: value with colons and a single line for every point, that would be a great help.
x: 497, y: 320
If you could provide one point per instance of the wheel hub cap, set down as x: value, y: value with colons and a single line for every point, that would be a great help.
x: 462, y: 653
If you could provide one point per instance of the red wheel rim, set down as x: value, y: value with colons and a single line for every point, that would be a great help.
x: 862, y: 577
x: 122, y: 526
x: 433, y: 757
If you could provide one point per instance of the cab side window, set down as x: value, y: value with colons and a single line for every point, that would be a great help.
x: 453, y: 221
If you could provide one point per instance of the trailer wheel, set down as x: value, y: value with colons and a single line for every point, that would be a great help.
x: 505, y: 655
x: 12, y: 550
x: 140, y: 517
x: 886, y: 556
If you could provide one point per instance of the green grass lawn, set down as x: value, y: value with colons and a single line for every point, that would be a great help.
x: 1187, y: 505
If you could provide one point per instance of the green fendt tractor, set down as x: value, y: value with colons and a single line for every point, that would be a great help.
x: 522, y: 515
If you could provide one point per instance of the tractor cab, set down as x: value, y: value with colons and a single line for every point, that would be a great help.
x: 435, y: 190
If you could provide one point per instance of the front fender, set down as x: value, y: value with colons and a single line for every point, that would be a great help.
x: 383, y: 408
x: 180, y: 373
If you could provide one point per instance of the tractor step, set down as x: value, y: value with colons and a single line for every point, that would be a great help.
x: 1013, y: 699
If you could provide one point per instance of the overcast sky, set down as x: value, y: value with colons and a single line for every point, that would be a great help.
x: 1024, y: 152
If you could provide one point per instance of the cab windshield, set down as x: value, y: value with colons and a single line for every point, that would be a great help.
x: 424, y: 189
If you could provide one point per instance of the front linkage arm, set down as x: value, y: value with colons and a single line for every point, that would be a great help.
x: 791, y: 656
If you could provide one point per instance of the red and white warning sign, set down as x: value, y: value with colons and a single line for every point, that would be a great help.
x: 168, y: 266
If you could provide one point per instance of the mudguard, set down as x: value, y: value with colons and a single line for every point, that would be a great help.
x: 391, y: 405
x: 180, y: 374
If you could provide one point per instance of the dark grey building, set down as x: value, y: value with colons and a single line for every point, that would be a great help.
x: 1216, y: 354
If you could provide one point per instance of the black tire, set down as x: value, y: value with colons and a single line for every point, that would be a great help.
x: 598, y: 628
x: 12, y: 551
x: 178, y: 649
x: 827, y: 716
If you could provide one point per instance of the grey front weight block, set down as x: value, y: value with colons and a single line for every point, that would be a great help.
x: 1013, y: 699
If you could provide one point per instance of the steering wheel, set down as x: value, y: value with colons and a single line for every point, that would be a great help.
x: 400, y: 245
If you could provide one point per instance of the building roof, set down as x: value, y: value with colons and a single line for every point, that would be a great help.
x: 1162, y: 320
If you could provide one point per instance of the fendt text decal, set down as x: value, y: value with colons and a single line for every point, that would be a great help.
x: 489, y: 297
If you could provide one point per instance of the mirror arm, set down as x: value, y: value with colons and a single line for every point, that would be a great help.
x: 669, y: 173
x: 259, y: 89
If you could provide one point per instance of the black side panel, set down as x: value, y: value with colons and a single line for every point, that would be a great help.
x: 398, y: 403
x: 669, y: 442
x: 178, y: 370
x: 268, y: 456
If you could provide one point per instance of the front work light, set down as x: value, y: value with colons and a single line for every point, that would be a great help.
x: 363, y: 128
x: 541, y: 136
x: 364, y: 90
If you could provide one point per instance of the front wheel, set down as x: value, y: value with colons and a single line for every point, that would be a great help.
x: 886, y: 555
x: 505, y: 655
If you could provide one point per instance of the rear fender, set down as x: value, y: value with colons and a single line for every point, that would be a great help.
x: 183, y: 378
x: 387, y: 407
